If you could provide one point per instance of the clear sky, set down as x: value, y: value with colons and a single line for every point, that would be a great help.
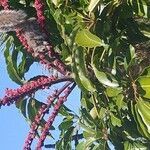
x: 13, y: 127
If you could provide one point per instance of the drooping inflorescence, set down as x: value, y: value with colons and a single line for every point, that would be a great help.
x: 44, y: 108
x: 32, y: 34
x: 53, y: 115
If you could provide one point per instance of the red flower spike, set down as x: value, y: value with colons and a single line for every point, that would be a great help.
x: 29, y: 88
x: 42, y: 111
x: 51, y: 119
x: 39, y: 6
x: 41, y: 19
x: 4, y: 4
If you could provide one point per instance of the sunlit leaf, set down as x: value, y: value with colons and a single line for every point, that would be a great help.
x: 93, y: 4
x: 112, y: 92
x: 86, y: 39
x: 145, y: 85
x: 12, y: 72
x: 115, y: 121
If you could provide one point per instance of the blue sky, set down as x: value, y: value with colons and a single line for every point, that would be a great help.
x: 13, y: 127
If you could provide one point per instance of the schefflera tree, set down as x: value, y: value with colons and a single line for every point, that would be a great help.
x: 100, y: 46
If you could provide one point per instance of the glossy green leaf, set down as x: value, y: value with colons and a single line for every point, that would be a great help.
x: 143, y: 109
x: 112, y: 92
x: 65, y: 111
x: 21, y: 105
x: 12, y: 72
x: 128, y: 145
x: 93, y: 4
x: 25, y: 65
x: 65, y: 142
x: 120, y: 102
x: 102, y: 113
x: 87, y: 118
x: 89, y: 142
x: 93, y: 113
x: 80, y: 70
x: 32, y: 108
x: 103, y: 78
x: 145, y: 85
x: 141, y: 126
x: 87, y: 39
x: 56, y: 2
x: 80, y: 146
x: 88, y: 129
x: 65, y: 124
x: 139, y: 145
x: 115, y: 121
x: 140, y: 7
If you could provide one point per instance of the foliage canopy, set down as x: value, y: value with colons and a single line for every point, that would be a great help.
x: 104, y: 45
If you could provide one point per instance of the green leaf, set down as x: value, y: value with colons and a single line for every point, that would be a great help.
x: 93, y: 113
x: 24, y: 65
x: 56, y: 2
x: 145, y: 85
x: 33, y: 107
x: 115, y: 121
x: 140, y: 7
x: 120, y: 102
x: 67, y: 138
x: 143, y: 109
x: 65, y: 142
x: 128, y: 145
x: 139, y: 145
x: 85, y: 38
x: 112, y: 92
x: 65, y: 111
x: 140, y: 121
x: 102, y: 113
x: 93, y: 4
x: 104, y: 78
x: 87, y: 118
x: 80, y: 70
x: 80, y: 146
x: 65, y: 124
x: 21, y: 104
x: 89, y: 142
x: 13, y: 74
x: 89, y: 130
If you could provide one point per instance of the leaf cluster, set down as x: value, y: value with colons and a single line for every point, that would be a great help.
x: 105, y: 44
